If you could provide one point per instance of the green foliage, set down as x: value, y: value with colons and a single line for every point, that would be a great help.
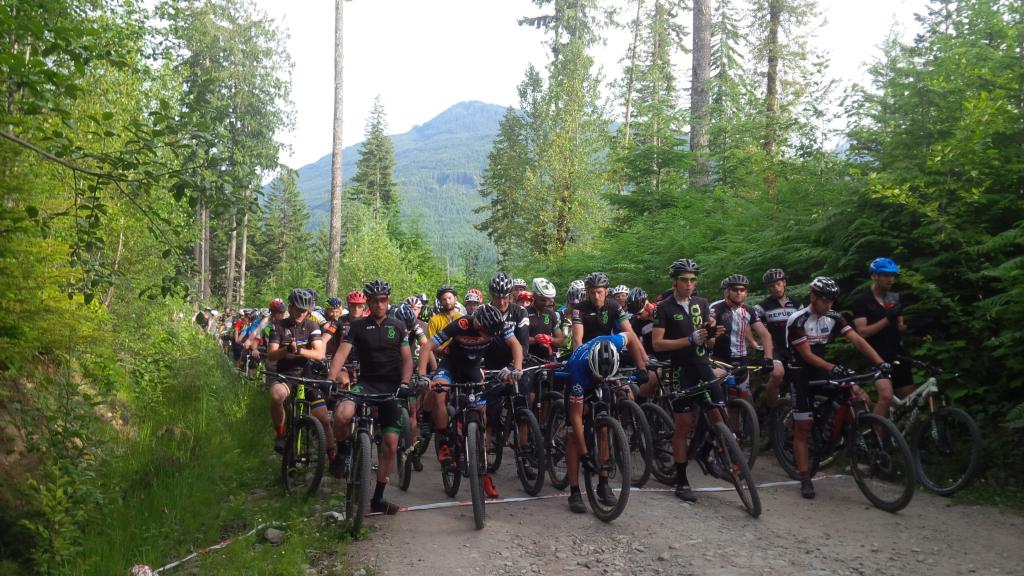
x: 373, y: 185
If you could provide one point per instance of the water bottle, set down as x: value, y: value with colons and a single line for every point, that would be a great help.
x: 730, y: 381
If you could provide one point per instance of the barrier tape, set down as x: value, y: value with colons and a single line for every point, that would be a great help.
x: 142, y: 570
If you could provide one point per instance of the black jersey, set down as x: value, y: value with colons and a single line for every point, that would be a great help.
x: 644, y: 329
x: 380, y: 346
x: 598, y: 321
x: 806, y: 326
x: 468, y: 344
x: 680, y: 319
x: 736, y: 319
x: 303, y: 334
x: 499, y: 355
x: 543, y: 322
x: 887, y: 341
x: 775, y: 316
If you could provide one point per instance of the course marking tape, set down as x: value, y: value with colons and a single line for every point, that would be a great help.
x: 458, y: 503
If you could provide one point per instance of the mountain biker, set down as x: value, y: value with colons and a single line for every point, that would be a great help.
x: 641, y: 321
x: 598, y: 316
x: 809, y: 332
x: 473, y: 299
x: 878, y: 317
x: 739, y: 320
x: 385, y: 364
x: 518, y: 286
x: 545, y: 334
x: 684, y: 331
x: 573, y: 297
x: 620, y: 294
x: 774, y: 311
x: 446, y: 312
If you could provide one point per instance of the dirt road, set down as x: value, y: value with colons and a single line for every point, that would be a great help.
x: 837, y: 533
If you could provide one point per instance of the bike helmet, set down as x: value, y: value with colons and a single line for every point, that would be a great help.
x: 490, y: 319
x: 356, y: 297
x: 446, y: 288
x: 577, y: 290
x: 542, y: 287
x: 596, y: 280
x: 501, y: 284
x: 884, y: 266
x: 773, y: 275
x: 422, y: 298
x: 474, y: 295
x: 683, y: 265
x: 736, y: 280
x: 376, y: 288
x: 825, y: 287
x: 413, y: 302
x: 405, y: 314
x: 277, y: 305
x: 635, y: 300
x: 519, y: 283
x: 603, y: 359
x: 620, y: 289
x: 334, y: 302
x: 525, y: 297
x: 302, y: 298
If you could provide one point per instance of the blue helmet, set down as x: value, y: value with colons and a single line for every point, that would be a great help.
x: 884, y: 266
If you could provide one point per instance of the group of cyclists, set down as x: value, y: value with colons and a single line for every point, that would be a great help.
x: 599, y: 330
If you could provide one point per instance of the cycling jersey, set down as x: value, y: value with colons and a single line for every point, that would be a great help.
x: 499, y: 355
x: 380, y: 345
x: 543, y: 322
x: 439, y: 321
x: 303, y: 334
x: 577, y: 369
x: 644, y: 329
x: 806, y: 326
x: 736, y: 319
x: 774, y: 315
x: 598, y: 322
x: 680, y: 319
x: 467, y: 348
x: 887, y: 340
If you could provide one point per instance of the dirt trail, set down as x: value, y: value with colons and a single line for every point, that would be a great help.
x: 837, y: 533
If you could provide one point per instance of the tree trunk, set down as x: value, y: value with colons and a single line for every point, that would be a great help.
x: 241, y: 264
x: 701, y: 77
x: 632, y: 72
x: 229, y: 297
x: 198, y: 255
x: 334, y: 240
x: 772, y: 96
x: 207, y: 291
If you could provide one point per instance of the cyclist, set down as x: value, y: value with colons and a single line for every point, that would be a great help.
x: 385, y: 364
x: 620, y: 294
x: 808, y: 332
x: 356, y: 301
x: 333, y: 327
x: 598, y: 316
x: 545, y: 334
x: 474, y: 298
x: 573, y: 297
x: 641, y: 321
x: 406, y: 315
x: 738, y: 321
x: 774, y: 312
x: 447, y: 311
x: 878, y: 317
x: 470, y: 338
x: 518, y: 286
x: 684, y: 331
x: 294, y: 342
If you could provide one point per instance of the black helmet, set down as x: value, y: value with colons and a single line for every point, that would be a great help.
x: 635, y: 300
x: 773, y: 275
x: 377, y: 287
x: 446, y: 288
x: 825, y: 287
x: 406, y: 315
x: 302, y: 298
x: 501, y: 285
x: 490, y: 318
x: 603, y: 359
x: 596, y: 280
x: 683, y: 265
x: 735, y: 280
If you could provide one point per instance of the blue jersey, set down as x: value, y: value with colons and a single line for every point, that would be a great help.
x: 577, y: 369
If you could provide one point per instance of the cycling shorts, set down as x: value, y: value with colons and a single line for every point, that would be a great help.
x: 389, y: 414
x: 683, y: 378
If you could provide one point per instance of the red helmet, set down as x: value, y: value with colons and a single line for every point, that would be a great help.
x: 356, y: 297
x: 474, y: 295
x: 524, y: 297
x: 276, y: 305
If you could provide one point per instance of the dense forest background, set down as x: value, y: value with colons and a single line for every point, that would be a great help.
x: 136, y: 146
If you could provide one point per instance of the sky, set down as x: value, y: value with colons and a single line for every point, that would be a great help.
x: 422, y: 57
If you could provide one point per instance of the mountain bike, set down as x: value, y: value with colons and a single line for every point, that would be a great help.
x: 879, y: 457
x: 634, y: 424
x: 305, y: 452
x: 743, y: 420
x: 519, y: 429
x: 944, y: 440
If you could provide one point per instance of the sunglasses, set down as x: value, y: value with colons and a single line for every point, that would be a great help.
x: 738, y: 288
x: 686, y: 278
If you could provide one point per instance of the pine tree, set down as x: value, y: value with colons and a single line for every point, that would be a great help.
x: 505, y: 182
x: 373, y: 185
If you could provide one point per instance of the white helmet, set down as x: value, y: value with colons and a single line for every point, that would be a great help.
x: 542, y: 287
x: 620, y: 289
x: 603, y: 359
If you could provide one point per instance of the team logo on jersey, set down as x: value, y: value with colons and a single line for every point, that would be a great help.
x: 604, y: 316
x: 547, y: 320
x: 463, y: 323
x: 678, y: 317
x: 390, y: 332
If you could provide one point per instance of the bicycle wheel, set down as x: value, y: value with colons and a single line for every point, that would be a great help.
x: 305, y: 455
x: 947, y: 450
x: 357, y: 489
x: 662, y: 427
x: 451, y: 473
x: 476, y: 466
x: 638, y: 433
x: 781, y: 419
x: 499, y: 437
x: 617, y: 467
x: 733, y: 463
x: 880, y: 462
x: 529, y: 452
x: 554, y: 442
x: 403, y: 464
x: 743, y: 422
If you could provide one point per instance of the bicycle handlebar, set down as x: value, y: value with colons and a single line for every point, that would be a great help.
x: 847, y: 380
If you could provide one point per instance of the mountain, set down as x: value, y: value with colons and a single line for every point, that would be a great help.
x: 437, y: 167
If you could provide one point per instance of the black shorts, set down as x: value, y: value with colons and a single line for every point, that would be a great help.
x: 389, y: 414
x: 801, y: 390
x: 313, y: 394
x: 682, y: 378
x: 902, y: 375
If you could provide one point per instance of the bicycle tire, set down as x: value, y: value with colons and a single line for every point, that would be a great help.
x: 932, y: 442
x: 733, y: 461
x: 499, y: 438
x: 451, y: 475
x: 885, y: 457
x: 747, y: 431
x: 476, y: 465
x: 618, y: 468
x: 555, y: 444
x: 357, y: 488
x: 403, y: 464
x: 662, y: 427
x: 781, y: 418
x: 529, y: 455
x: 305, y: 457
x: 638, y: 433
